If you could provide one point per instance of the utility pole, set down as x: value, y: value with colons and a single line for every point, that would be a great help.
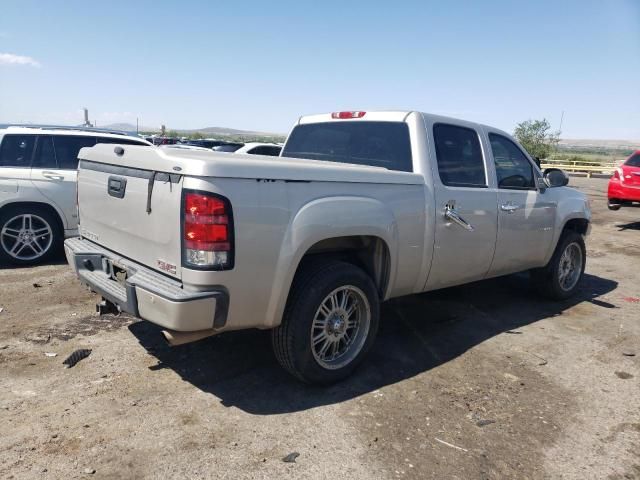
x: 136, y: 125
x: 561, y: 119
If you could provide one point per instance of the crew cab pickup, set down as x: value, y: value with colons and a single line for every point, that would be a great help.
x: 361, y: 207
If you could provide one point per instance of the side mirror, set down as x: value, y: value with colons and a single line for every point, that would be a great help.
x: 554, y: 177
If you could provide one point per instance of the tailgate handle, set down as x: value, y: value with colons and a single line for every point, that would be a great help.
x: 116, y: 186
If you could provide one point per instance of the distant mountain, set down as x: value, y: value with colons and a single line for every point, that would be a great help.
x: 209, y: 131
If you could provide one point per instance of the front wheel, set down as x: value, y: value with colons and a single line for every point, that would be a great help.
x: 561, y: 277
x: 329, y: 324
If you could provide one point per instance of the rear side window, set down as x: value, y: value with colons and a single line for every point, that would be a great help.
x: 16, y: 150
x: 634, y: 161
x: 379, y: 144
x: 513, y: 169
x: 459, y: 156
x: 67, y: 148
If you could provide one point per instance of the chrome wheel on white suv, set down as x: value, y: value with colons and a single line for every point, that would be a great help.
x: 27, y: 236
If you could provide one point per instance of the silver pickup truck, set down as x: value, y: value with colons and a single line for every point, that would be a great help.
x: 361, y: 207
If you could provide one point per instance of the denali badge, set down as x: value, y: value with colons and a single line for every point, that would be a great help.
x: 166, y: 267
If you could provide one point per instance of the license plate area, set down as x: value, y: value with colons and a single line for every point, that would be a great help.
x: 116, y: 272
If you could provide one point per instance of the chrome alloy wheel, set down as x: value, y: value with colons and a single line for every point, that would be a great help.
x: 26, y: 237
x: 340, y: 327
x: 570, y: 267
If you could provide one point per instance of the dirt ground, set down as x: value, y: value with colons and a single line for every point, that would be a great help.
x: 482, y: 381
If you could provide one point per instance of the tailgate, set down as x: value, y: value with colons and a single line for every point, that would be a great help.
x: 132, y: 211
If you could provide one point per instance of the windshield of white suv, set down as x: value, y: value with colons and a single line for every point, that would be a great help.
x: 379, y: 144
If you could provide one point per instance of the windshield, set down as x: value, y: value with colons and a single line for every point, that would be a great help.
x: 379, y: 144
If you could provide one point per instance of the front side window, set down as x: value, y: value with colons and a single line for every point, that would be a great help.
x: 67, y: 148
x: 513, y: 169
x: 45, y: 156
x: 16, y: 150
x: 459, y: 156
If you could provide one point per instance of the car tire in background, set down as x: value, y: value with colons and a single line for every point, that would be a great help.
x: 29, y: 235
x: 561, y: 277
x: 329, y: 324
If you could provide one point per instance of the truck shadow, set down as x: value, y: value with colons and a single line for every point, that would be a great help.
x: 417, y: 333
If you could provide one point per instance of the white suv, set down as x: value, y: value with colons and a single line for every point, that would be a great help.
x: 38, y: 172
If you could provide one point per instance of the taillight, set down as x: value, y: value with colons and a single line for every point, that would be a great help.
x: 207, y: 231
x: 345, y: 115
x: 616, y: 175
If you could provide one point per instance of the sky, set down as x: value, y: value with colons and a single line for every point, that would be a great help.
x: 259, y: 65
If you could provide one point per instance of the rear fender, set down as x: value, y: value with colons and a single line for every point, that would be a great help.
x: 326, y: 218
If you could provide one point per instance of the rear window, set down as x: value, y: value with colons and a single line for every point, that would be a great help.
x: 379, y: 144
x: 16, y: 150
x: 634, y: 160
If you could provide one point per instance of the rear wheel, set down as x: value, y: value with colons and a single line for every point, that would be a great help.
x: 329, y: 324
x: 28, y: 235
x: 561, y: 277
x: 614, y: 204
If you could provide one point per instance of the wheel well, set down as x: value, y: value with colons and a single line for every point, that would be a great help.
x: 43, y: 206
x: 579, y: 225
x: 367, y: 252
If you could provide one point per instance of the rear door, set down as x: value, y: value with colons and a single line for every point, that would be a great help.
x: 465, y: 207
x: 54, y: 171
x: 16, y: 152
x: 526, y: 216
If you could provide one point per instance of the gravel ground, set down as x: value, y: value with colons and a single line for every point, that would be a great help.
x: 481, y: 381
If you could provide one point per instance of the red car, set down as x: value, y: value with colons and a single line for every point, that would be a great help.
x: 624, y: 186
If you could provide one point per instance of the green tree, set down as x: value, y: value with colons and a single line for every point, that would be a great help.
x: 537, y: 137
x: 172, y: 134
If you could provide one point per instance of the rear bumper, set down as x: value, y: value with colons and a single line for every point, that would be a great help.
x: 145, y: 293
x: 620, y: 191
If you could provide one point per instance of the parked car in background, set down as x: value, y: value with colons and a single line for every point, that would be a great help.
x: 228, y: 147
x: 257, y: 148
x: 624, y: 185
x: 205, y: 143
x: 182, y: 146
x: 361, y: 207
x: 38, y: 171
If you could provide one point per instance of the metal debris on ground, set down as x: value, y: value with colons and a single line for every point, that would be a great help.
x: 89, y: 471
x: 37, y: 285
x: 76, y: 356
x: 628, y: 354
x: 450, y: 445
x: 50, y: 354
x: 291, y: 458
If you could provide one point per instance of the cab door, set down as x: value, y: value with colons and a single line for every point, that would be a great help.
x: 54, y: 171
x: 465, y: 206
x: 526, y: 216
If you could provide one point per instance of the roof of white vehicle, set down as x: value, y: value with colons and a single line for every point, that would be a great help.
x: 81, y: 132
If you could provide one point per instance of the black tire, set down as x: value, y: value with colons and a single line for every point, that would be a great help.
x: 41, y: 217
x: 547, y: 279
x: 313, y: 285
x: 614, y: 204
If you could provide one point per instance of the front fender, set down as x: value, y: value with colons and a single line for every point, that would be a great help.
x: 571, y: 205
x: 325, y: 218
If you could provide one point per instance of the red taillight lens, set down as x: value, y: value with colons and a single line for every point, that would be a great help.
x: 207, y: 231
x: 345, y: 115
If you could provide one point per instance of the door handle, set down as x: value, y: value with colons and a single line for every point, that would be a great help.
x: 52, y: 176
x: 509, y: 207
x: 451, y: 214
